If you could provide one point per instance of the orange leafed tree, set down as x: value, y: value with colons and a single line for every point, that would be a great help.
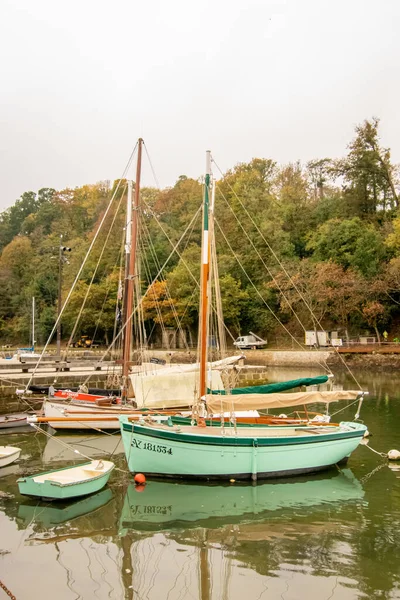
x: 158, y: 306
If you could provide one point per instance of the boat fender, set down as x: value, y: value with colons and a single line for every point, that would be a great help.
x: 393, y: 455
x: 282, y: 416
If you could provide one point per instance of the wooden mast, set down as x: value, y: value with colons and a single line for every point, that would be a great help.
x: 204, y: 287
x: 129, y: 278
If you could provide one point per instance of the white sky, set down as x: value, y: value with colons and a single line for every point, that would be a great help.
x: 81, y: 80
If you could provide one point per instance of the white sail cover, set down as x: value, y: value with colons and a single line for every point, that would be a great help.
x: 186, y: 368
x: 237, y: 402
x: 168, y: 388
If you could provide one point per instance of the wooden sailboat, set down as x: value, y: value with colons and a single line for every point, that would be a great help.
x: 219, y: 452
x: 168, y: 388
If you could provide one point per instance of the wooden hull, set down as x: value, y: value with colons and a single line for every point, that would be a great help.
x: 83, y: 397
x: 71, y: 482
x: 250, y: 453
x: 103, y: 418
x: 8, y: 455
x: 7, y: 421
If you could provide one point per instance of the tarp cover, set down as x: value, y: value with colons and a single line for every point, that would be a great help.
x: 274, y: 387
x: 257, y: 401
x: 186, y: 368
x: 168, y: 389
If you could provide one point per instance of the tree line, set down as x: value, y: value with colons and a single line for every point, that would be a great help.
x: 314, y: 245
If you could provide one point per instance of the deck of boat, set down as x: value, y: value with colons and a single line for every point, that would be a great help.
x: 244, y: 432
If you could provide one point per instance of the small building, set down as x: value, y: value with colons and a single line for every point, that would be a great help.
x: 322, y: 336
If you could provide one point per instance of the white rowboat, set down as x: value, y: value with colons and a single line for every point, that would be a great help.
x: 8, y: 454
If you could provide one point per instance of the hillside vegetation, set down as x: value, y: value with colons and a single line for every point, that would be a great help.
x: 333, y: 224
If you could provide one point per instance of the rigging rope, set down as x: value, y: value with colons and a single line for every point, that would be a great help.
x: 287, y: 275
x: 262, y: 260
x: 82, y: 266
x: 94, y: 273
x: 323, y: 366
x: 69, y: 447
x: 109, y: 348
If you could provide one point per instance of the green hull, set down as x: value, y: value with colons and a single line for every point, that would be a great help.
x: 59, y: 486
x: 181, y: 452
x: 165, y: 504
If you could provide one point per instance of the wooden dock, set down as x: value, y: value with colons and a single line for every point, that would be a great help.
x: 15, y: 376
x: 370, y: 349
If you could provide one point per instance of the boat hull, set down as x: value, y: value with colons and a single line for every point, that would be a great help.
x: 108, y: 420
x: 8, y: 455
x: 7, y: 421
x: 253, y: 455
x: 64, y: 484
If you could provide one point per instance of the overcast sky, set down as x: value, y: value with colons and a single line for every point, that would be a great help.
x: 81, y: 80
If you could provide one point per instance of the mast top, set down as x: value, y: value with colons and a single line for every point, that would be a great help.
x: 208, y: 162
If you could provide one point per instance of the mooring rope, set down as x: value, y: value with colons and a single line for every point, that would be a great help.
x: 74, y: 450
x: 7, y: 591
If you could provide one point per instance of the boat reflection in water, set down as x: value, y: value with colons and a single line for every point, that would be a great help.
x: 185, y: 535
x: 47, y: 515
x: 62, y: 447
x: 161, y: 505
x: 233, y: 535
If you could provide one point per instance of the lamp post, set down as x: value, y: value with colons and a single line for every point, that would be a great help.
x: 61, y: 261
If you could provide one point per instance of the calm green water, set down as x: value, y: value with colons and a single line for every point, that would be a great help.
x: 333, y: 536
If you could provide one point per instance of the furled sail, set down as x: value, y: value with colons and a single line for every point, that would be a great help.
x: 274, y: 387
x: 231, y: 402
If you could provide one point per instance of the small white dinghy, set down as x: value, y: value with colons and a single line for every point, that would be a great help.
x: 70, y: 482
x: 8, y: 454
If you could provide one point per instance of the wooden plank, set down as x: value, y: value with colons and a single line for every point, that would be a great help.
x: 370, y: 349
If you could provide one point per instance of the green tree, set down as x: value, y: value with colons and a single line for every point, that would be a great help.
x: 369, y: 178
x: 350, y: 243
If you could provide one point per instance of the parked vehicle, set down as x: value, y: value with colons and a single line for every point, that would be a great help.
x: 83, y: 342
x: 251, y: 341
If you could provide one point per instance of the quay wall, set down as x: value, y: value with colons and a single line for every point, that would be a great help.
x: 9, y: 383
x: 258, y: 366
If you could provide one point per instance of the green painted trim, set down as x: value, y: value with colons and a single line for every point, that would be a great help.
x: 249, y: 441
x: 206, y: 201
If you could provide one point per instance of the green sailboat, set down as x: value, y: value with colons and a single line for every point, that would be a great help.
x: 197, y: 451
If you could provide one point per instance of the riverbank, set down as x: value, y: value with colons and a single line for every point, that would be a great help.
x: 257, y: 366
x: 302, y: 358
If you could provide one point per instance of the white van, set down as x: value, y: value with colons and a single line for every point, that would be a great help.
x: 249, y: 342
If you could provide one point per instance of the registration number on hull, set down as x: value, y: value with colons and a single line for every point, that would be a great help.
x: 150, y: 446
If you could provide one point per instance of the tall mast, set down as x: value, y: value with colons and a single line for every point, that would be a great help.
x: 129, y: 277
x: 33, y: 323
x: 128, y: 244
x: 205, y: 272
x: 215, y: 276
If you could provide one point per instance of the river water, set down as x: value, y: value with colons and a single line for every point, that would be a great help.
x: 331, y: 536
